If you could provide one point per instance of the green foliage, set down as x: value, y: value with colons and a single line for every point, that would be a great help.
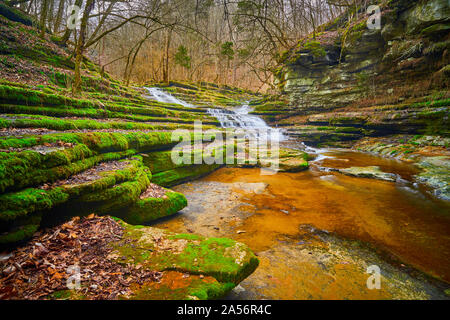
x: 226, y: 50
x: 182, y: 57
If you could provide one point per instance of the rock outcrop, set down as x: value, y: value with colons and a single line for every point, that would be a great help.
x: 385, y: 81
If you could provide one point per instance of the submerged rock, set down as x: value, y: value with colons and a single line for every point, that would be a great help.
x: 372, y: 172
x: 429, y: 153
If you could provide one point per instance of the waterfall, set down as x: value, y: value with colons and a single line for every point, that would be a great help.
x: 238, y: 118
x: 162, y: 96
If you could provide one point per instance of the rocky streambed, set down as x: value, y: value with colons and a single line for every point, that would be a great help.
x: 316, y: 232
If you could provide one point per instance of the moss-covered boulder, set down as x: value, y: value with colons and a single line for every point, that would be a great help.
x: 154, y: 203
x: 226, y: 260
x: 292, y: 160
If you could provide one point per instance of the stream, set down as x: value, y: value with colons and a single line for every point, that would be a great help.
x: 316, y: 232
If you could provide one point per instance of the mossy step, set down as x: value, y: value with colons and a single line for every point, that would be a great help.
x: 17, y: 98
x: 115, y: 187
x: 82, y: 123
x: 160, y: 161
x: 97, y: 141
x: 95, y: 113
x: 30, y: 168
x: 160, y: 203
x: 176, y: 176
x: 14, y: 205
x: 289, y: 160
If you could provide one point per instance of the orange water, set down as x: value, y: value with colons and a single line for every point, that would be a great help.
x: 402, y: 221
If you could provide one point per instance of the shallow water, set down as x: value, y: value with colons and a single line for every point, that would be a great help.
x: 316, y: 232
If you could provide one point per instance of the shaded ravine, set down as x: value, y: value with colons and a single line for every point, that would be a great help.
x: 316, y: 232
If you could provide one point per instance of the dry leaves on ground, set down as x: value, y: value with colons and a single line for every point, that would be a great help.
x: 42, y: 267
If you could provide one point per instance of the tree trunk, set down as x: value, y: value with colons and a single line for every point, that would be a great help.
x: 44, y: 10
x: 166, y: 64
x: 68, y: 31
x: 59, y: 15
x: 79, y: 48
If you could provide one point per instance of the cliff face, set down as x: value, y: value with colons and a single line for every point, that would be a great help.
x: 388, y: 80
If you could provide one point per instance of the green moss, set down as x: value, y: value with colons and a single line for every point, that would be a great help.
x: 22, y: 233
x: 179, y: 175
x: 224, y: 259
x: 97, y: 141
x: 192, y: 287
x: 16, y: 15
x: 211, y: 291
x: 186, y: 236
x: 115, y: 198
x: 30, y: 168
x: 315, y: 48
x: 19, y: 204
x: 150, y: 209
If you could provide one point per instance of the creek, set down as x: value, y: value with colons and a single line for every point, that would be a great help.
x: 316, y: 232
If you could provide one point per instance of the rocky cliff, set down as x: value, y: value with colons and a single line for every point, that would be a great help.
x: 347, y: 80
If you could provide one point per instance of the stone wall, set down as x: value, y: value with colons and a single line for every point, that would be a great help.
x: 346, y: 62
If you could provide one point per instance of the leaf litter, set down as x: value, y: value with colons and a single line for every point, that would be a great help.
x: 42, y: 267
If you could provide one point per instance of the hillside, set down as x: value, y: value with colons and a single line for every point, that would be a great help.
x: 63, y: 155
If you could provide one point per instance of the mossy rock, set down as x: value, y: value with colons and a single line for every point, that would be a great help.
x: 224, y: 259
x: 150, y: 208
x: 179, y: 286
x: 176, y: 176
x: 160, y: 161
x: 108, y: 191
x: 290, y: 160
x: 191, y: 267
x: 294, y: 164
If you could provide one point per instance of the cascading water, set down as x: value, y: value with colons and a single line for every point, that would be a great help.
x: 241, y: 119
x: 238, y: 118
x: 161, y: 96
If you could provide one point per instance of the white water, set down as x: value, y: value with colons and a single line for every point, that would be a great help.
x: 162, y: 96
x: 241, y: 119
x: 238, y: 118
